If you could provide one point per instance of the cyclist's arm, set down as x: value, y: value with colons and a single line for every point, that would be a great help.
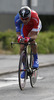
x: 33, y: 33
x: 17, y: 24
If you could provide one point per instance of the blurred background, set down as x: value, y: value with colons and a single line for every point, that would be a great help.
x: 8, y: 10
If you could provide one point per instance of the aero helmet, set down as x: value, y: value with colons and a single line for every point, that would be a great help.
x: 25, y: 12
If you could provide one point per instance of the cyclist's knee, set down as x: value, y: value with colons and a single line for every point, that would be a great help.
x: 33, y: 42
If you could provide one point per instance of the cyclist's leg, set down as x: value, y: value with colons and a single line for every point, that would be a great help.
x: 34, y: 49
x: 35, y: 54
x: 22, y: 46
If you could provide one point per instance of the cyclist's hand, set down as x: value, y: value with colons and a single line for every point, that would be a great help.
x: 27, y: 39
x: 19, y: 38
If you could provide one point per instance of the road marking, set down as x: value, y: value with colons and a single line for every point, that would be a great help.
x: 11, y: 81
x: 39, y: 78
x: 7, y: 84
x: 8, y: 81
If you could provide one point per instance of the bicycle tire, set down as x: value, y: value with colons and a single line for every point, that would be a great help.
x: 33, y: 76
x: 22, y: 82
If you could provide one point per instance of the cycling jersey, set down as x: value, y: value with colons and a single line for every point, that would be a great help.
x: 33, y: 25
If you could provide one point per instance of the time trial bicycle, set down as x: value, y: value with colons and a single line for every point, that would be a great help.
x: 28, y: 61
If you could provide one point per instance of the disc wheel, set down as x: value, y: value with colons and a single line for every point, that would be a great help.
x: 33, y: 76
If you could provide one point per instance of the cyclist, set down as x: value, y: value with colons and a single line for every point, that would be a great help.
x: 31, y: 25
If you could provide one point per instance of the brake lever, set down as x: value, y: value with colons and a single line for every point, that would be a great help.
x: 22, y: 40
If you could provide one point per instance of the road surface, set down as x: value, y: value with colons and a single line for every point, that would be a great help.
x: 43, y: 90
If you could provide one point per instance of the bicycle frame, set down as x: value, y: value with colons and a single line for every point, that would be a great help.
x: 25, y: 50
x: 31, y: 72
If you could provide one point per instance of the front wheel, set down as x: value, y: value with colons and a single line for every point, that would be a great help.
x: 22, y: 81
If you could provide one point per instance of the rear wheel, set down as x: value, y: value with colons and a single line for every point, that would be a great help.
x: 33, y: 76
x: 22, y: 81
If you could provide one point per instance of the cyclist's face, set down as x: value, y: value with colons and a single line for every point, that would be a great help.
x: 25, y: 21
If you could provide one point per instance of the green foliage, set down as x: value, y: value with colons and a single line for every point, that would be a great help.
x: 51, y: 27
x: 45, y: 41
x: 7, y: 37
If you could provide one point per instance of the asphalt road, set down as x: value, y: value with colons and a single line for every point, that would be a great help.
x: 43, y: 90
x: 9, y: 63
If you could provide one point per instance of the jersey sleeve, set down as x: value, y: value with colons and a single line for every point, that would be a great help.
x: 17, y: 23
x: 35, y: 22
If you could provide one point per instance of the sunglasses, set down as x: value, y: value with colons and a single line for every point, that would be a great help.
x: 24, y: 18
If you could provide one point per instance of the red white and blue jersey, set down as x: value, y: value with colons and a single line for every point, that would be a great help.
x: 33, y: 25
